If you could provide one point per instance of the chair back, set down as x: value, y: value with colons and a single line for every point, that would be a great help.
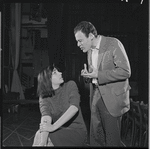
x: 137, y: 113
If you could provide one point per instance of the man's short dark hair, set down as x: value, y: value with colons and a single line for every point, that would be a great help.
x: 86, y: 28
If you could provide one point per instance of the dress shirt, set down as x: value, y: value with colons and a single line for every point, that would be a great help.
x: 95, y: 58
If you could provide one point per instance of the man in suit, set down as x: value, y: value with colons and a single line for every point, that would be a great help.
x: 108, y: 73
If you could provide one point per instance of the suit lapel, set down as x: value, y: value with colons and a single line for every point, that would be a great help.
x: 100, y: 56
x: 102, y: 50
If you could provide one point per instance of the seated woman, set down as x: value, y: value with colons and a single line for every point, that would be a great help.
x: 62, y: 123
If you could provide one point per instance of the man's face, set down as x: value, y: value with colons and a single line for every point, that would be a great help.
x: 83, y: 42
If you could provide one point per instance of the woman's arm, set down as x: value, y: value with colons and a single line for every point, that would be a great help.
x: 44, y: 135
x: 74, y: 99
x: 71, y: 111
x: 46, y: 118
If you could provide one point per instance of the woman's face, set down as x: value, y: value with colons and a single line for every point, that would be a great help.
x: 56, y: 77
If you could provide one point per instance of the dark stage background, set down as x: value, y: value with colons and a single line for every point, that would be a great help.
x: 127, y: 21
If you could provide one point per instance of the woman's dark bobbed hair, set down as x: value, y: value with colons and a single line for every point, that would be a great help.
x: 44, y: 88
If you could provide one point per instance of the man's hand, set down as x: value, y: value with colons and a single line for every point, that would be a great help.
x: 84, y: 71
x: 93, y: 74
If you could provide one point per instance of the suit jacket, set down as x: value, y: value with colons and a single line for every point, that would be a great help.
x: 113, y: 73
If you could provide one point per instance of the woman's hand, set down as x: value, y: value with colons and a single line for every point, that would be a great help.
x: 47, y: 127
x: 42, y: 144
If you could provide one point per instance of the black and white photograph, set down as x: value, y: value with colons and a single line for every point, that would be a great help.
x: 75, y: 74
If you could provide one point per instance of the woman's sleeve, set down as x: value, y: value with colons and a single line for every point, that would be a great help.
x: 44, y: 106
x: 74, y: 96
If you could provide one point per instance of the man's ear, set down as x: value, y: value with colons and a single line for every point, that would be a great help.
x: 91, y: 36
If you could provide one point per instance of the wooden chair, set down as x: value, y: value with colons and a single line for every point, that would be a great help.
x: 12, y: 108
x: 12, y: 103
x: 137, y: 115
x: 144, y: 109
x: 129, y: 125
x: 123, y: 125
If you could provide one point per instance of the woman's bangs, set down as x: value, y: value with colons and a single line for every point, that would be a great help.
x: 57, y: 67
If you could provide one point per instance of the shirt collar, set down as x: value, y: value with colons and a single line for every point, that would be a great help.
x: 98, y: 44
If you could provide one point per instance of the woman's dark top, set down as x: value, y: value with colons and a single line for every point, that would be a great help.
x: 55, y: 107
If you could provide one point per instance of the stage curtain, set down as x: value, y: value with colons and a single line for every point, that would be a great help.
x: 15, y: 47
x: 55, y: 23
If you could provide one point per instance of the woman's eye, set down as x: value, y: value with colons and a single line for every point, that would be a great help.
x: 54, y: 72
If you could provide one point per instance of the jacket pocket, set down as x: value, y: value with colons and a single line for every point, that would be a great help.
x: 121, y: 91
